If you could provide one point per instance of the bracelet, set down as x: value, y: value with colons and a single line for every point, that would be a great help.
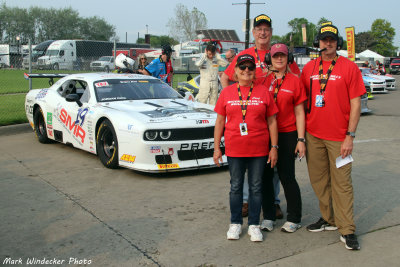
x: 275, y: 146
x: 301, y: 140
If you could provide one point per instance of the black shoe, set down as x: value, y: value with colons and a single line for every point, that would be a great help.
x: 320, y: 226
x: 350, y: 241
x: 279, y: 214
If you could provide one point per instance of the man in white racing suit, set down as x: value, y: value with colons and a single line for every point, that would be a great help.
x: 209, y: 64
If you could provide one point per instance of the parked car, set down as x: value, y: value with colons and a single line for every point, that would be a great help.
x: 389, y: 79
x: 395, y: 66
x: 130, y: 120
x: 105, y: 63
x: 377, y: 86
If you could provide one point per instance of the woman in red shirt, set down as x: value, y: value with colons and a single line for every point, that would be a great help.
x: 289, y: 95
x: 246, y: 112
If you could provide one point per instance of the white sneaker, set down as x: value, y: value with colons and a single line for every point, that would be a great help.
x: 290, y: 227
x: 255, y: 233
x: 234, y: 231
x: 267, y: 225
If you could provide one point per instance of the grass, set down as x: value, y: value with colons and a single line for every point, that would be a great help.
x: 12, y: 110
x: 13, y: 88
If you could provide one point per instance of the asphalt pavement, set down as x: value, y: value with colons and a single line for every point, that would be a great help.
x: 60, y: 207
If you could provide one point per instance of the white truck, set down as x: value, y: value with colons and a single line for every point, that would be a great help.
x: 77, y: 54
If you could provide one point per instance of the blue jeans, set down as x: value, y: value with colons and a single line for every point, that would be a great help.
x: 237, y: 168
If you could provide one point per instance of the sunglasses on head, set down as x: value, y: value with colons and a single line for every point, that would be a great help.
x: 250, y: 67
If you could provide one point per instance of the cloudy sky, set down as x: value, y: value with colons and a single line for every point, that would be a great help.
x: 130, y: 17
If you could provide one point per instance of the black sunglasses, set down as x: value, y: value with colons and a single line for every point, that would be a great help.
x: 243, y: 67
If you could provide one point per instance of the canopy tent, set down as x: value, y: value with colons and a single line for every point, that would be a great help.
x: 368, y: 54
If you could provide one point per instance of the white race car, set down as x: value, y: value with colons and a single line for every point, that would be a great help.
x: 128, y: 120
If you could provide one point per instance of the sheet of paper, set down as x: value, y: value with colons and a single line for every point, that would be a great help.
x: 341, y: 162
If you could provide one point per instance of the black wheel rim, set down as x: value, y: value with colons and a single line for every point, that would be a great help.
x: 108, y: 143
x: 41, y: 126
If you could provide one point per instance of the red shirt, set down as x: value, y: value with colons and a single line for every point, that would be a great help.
x: 260, y: 65
x: 260, y: 106
x: 290, y: 94
x: 345, y: 83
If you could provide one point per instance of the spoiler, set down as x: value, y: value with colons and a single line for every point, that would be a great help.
x: 50, y: 76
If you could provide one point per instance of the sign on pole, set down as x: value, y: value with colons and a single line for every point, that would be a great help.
x: 351, y: 53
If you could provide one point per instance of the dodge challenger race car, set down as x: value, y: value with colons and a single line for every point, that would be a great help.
x: 128, y: 120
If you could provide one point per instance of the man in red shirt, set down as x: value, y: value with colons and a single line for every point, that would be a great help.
x: 262, y: 33
x: 334, y: 87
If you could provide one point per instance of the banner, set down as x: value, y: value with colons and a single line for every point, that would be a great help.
x: 351, y: 54
x: 304, y: 32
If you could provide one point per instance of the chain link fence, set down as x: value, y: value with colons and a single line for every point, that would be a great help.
x: 64, y: 56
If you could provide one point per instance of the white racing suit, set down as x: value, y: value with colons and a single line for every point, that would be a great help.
x: 209, y: 77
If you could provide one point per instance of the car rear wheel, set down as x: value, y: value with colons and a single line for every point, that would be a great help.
x: 40, y: 126
x: 107, y: 69
x: 56, y: 67
x: 107, y: 145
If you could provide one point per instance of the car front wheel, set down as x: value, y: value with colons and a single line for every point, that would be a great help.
x: 40, y: 126
x: 107, y: 145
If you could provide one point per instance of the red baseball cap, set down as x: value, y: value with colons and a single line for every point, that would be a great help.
x: 279, y: 48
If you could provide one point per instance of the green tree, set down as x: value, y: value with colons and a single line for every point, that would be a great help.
x: 383, y: 33
x: 40, y: 24
x: 297, y: 35
x: 185, y: 23
x: 158, y: 41
x: 363, y: 41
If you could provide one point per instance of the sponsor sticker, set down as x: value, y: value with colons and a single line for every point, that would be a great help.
x: 128, y: 158
x: 168, y: 166
x: 202, y: 121
x: 101, y: 84
x: 49, y: 118
x: 155, y: 149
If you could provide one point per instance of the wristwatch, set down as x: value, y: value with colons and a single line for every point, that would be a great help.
x: 352, y: 134
x: 275, y: 146
x: 301, y: 140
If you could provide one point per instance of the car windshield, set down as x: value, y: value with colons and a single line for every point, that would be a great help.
x: 366, y: 71
x: 104, y: 59
x: 132, y: 89
x: 52, y: 52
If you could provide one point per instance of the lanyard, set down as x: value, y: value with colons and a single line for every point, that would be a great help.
x: 323, y: 79
x: 258, y: 59
x: 278, y: 86
x: 244, y: 107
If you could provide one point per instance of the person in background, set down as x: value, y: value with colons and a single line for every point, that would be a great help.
x: 334, y: 86
x: 229, y: 56
x: 209, y: 63
x: 142, y: 63
x: 161, y: 67
x: 289, y: 95
x: 246, y: 118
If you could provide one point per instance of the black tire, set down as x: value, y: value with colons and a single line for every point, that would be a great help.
x: 107, y: 145
x: 107, y: 69
x: 40, y: 126
x: 56, y: 67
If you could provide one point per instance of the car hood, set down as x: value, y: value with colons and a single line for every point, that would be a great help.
x: 161, y: 110
x: 370, y: 79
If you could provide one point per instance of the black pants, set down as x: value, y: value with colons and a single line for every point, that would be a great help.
x: 286, y: 170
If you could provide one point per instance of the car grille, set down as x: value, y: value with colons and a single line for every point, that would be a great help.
x: 184, y: 134
x: 96, y: 64
x: 197, y: 154
x: 390, y: 81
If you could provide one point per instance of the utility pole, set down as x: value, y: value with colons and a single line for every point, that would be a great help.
x: 247, y: 41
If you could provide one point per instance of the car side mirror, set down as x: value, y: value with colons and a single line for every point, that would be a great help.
x: 74, y: 98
